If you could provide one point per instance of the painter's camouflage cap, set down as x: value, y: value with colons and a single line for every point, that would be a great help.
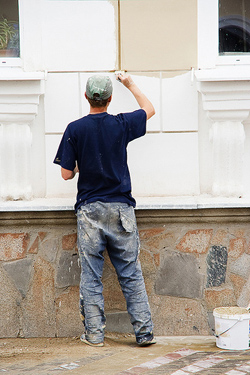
x: 100, y: 85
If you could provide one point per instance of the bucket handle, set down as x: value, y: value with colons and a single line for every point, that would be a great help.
x: 226, y: 329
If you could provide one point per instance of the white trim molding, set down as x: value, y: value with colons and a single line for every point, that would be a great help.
x: 19, y: 101
x: 225, y: 94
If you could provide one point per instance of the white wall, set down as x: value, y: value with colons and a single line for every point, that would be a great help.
x: 164, y: 162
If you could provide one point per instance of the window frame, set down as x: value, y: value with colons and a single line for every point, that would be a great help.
x: 13, y: 61
x: 208, y: 44
x: 10, y: 62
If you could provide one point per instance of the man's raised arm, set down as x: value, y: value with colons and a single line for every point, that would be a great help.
x: 141, y: 99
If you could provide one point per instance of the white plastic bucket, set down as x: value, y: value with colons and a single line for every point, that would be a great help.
x: 232, y: 328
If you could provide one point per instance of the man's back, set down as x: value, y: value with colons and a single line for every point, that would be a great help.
x: 98, y: 142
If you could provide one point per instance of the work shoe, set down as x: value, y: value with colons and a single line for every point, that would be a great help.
x: 98, y: 344
x: 146, y: 340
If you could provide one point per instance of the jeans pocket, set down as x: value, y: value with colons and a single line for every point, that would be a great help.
x: 127, y: 217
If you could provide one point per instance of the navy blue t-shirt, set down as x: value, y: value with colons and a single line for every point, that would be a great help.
x: 98, y: 143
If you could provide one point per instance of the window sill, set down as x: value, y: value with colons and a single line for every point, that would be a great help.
x: 17, y: 74
x: 224, y: 73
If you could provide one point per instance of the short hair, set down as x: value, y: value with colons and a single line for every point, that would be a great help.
x: 97, y: 102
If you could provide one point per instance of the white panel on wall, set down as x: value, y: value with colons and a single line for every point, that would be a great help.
x: 205, y: 152
x: 246, y: 174
x: 179, y: 103
x: 79, y: 35
x: 62, y: 102
x: 56, y: 186
x: 151, y: 87
x: 124, y: 101
x: 164, y: 164
x: 38, y: 166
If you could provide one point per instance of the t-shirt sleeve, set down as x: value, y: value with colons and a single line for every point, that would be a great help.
x: 66, y: 153
x: 135, y: 124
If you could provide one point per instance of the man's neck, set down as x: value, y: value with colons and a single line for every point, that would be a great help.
x: 95, y: 110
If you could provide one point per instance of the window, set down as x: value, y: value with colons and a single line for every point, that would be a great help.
x: 9, y: 29
x: 214, y: 45
x: 234, y: 27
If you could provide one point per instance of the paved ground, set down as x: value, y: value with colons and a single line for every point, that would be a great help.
x: 121, y: 356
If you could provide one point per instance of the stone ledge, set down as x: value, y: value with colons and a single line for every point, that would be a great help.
x: 52, y: 218
x: 144, y: 216
x: 200, y: 215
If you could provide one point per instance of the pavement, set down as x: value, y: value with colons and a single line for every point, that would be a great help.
x: 120, y: 355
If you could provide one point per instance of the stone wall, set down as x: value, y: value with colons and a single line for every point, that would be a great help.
x: 192, y: 260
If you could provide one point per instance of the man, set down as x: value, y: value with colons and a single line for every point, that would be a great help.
x: 95, y: 146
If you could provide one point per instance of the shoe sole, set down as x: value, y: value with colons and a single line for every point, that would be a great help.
x: 147, y: 343
x: 98, y: 345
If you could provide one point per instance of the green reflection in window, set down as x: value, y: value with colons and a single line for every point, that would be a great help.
x: 9, y: 29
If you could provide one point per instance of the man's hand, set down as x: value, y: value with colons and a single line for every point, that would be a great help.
x: 125, y: 79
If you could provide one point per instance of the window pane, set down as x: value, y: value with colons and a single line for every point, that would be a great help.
x: 9, y: 28
x: 234, y: 26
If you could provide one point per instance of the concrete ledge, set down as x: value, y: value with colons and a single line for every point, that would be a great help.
x: 39, y: 204
x: 192, y: 203
x: 143, y: 203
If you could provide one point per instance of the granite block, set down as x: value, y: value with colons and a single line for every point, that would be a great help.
x: 216, y: 266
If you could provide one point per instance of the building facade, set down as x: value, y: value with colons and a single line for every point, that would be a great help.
x: 190, y: 173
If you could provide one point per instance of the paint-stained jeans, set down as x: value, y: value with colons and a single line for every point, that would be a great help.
x: 111, y: 226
